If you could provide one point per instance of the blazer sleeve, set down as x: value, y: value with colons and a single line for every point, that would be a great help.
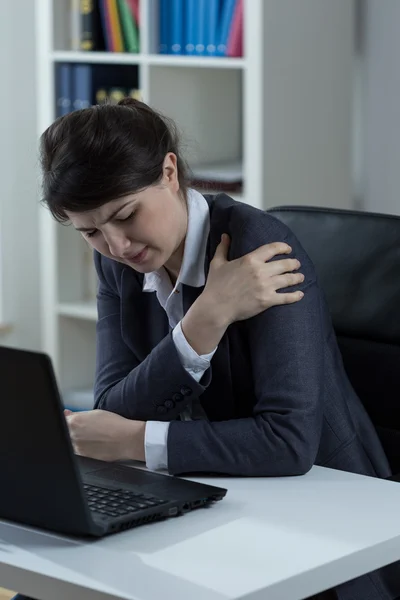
x: 156, y: 388
x: 287, y: 357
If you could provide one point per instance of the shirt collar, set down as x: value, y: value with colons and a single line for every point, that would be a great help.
x: 192, y: 270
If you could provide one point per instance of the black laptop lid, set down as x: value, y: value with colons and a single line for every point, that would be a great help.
x: 40, y: 484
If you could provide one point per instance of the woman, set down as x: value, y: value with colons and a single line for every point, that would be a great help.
x: 207, y: 359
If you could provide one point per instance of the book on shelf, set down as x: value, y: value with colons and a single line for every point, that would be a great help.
x: 211, y: 26
x: 105, y: 25
x: 85, y: 26
x: 174, y: 17
x: 115, y: 94
x: 235, y: 37
x: 225, y: 24
x: 163, y: 44
x: 129, y: 27
x: 75, y: 25
x: 81, y: 85
x: 63, y: 90
x: 201, y: 27
x: 135, y: 8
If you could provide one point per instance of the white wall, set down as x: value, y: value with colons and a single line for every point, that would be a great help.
x: 309, y: 90
x: 381, y: 118
x: 18, y: 161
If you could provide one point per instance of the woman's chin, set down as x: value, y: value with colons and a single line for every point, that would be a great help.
x: 150, y: 264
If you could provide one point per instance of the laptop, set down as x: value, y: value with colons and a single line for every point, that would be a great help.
x: 44, y: 484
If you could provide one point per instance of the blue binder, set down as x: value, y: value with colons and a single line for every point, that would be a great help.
x: 63, y: 90
x: 81, y: 86
x: 212, y: 20
x: 201, y: 27
x: 164, y: 27
x: 176, y: 40
x: 227, y: 12
x: 190, y: 17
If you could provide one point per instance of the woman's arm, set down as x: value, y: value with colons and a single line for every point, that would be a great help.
x: 132, y: 388
x: 282, y: 437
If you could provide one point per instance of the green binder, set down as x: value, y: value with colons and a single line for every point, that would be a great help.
x: 129, y: 29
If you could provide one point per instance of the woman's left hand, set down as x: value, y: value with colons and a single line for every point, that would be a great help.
x: 106, y: 436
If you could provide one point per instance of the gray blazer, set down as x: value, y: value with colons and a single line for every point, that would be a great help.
x: 276, y: 395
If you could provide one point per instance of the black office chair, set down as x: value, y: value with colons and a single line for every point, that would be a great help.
x: 357, y: 259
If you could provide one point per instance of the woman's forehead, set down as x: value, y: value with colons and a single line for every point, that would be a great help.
x: 99, y: 215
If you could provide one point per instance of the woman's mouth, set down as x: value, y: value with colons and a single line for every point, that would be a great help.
x: 138, y: 258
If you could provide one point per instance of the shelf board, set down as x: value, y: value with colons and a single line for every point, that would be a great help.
x: 209, y: 62
x: 125, y: 58
x: 78, y: 310
x: 118, y: 58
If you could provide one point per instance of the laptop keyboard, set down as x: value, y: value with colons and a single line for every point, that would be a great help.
x: 115, y: 503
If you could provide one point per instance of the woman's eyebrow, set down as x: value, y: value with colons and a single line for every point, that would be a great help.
x: 109, y: 218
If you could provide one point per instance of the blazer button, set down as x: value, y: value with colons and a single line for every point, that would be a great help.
x: 177, y: 397
x: 186, y: 391
x: 169, y: 404
x: 161, y: 410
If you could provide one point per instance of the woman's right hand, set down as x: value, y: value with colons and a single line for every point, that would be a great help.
x: 239, y: 289
x: 242, y: 288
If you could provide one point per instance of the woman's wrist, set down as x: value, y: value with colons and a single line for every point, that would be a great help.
x: 212, y: 311
x: 135, y: 441
x: 204, y: 325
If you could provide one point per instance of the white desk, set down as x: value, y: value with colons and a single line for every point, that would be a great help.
x: 275, y: 539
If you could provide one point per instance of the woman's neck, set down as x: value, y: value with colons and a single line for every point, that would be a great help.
x: 174, y: 264
x: 172, y: 276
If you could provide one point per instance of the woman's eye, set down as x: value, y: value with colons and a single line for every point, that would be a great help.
x: 127, y: 218
x: 90, y: 234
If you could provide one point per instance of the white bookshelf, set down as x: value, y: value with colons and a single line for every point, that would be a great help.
x: 284, y: 110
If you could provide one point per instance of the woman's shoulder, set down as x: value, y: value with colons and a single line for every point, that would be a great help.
x: 249, y: 228
x: 241, y: 219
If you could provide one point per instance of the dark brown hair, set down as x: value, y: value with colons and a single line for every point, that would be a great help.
x: 104, y: 152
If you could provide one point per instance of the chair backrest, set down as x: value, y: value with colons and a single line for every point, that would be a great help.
x: 357, y: 259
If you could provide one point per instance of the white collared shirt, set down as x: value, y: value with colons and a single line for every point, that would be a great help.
x: 170, y: 297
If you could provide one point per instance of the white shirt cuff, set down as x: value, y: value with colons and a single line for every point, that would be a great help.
x: 196, y: 365
x: 155, y: 445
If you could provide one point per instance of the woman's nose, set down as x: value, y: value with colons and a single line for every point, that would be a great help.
x: 118, y: 245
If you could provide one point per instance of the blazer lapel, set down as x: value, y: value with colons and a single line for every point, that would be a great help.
x: 219, y: 206
x: 144, y: 322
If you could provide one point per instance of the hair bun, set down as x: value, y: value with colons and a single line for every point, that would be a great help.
x: 128, y: 101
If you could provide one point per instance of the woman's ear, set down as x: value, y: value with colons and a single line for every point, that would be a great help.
x: 170, y: 171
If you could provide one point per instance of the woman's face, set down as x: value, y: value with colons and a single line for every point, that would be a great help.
x: 145, y: 230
